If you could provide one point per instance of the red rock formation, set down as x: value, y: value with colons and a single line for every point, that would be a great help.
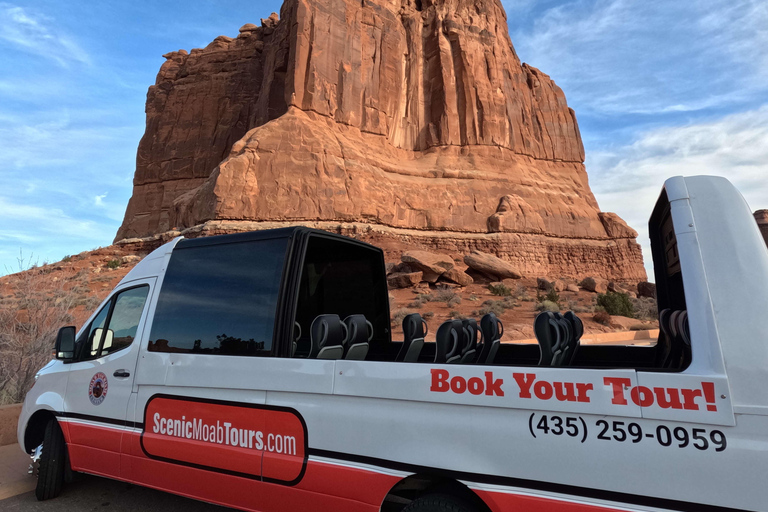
x: 761, y: 216
x: 413, y: 118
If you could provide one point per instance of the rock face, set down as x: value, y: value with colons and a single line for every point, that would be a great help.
x: 412, y: 118
x: 761, y: 216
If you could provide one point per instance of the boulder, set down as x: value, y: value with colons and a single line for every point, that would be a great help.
x: 428, y: 262
x: 572, y: 288
x: 594, y: 284
x: 544, y: 284
x: 646, y: 289
x: 457, y: 276
x: 404, y: 280
x: 491, y: 265
x: 129, y: 259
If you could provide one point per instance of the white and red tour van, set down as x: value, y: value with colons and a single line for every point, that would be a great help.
x: 257, y: 371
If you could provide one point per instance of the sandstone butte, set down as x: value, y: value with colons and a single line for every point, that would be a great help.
x: 761, y: 216
x: 407, y: 123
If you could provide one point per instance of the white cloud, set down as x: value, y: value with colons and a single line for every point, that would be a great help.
x: 651, y: 56
x: 628, y: 179
x: 38, y: 35
x: 99, y: 200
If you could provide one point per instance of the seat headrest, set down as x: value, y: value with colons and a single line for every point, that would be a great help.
x: 577, y: 325
x: 491, y: 327
x: 447, y: 341
x: 359, y: 329
x: 549, y: 332
x: 327, y: 331
x: 470, y: 327
x: 414, y: 327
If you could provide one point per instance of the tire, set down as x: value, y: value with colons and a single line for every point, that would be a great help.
x: 50, y: 476
x: 438, y: 503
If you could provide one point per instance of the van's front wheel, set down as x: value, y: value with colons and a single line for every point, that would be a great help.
x: 438, y: 503
x: 50, y: 475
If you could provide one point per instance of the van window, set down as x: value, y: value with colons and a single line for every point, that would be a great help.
x: 114, y: 327
x: 125, y: 319
x: 220, y: 299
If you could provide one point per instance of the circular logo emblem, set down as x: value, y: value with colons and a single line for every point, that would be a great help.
x: 97, y: 390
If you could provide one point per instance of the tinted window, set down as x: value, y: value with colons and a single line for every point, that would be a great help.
x: 125, y: 319
x: 121, y: 316
x: 220, y: 299
x: 345, y: 279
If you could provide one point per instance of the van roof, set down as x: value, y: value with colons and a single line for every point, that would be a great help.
x: 266, y: 234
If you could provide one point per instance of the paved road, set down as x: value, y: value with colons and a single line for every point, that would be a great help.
x: 89, y: 494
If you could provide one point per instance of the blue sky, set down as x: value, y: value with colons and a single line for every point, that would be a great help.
x: 660, y: 88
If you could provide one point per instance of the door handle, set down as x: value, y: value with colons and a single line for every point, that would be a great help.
x: 121, y: 373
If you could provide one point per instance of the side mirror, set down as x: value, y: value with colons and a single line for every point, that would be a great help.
x: 65, y: 343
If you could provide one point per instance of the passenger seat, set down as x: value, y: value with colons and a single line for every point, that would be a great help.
x: 327, y: 335
x: 414, y: 331
x: 360, y: 333
x: 447, y: 340
x: 492, y: 330
x: 469, y: 352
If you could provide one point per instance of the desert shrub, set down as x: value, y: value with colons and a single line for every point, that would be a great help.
x: 428, y: 315
x: 418, y: 302
x: 28, y: 330
x: 473, y: 298
x: 454, y: 301
x: 457, y: 316
x: 645, y: 308
x: 399, y: 315
x: 548, y: 305
x: 499, y: 289
x: 113, y: 263
x: 497, y: 307
x: 443, y: 295
x: 616, y: 304
x: 66, y: 259
x: 602, y: 317
x: 553, y: 296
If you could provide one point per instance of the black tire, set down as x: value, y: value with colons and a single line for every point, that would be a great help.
x: 50, y: 475
x: 438, y: 503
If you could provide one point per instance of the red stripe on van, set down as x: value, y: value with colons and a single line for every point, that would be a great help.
x: 504, y: 502
x: 324, y: 486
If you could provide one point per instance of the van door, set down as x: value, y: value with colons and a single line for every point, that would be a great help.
x: 101, y: 379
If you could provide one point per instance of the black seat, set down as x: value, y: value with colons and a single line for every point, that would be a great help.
x: 414, y: 331
x: 550, y: 335
x: 469, y: 351
x: 665, y: 340
x: 492, y: 330
x: 360, y: 333
x: 577, y: 331
x: 327, y: 335
x: 447, y: 341
x: 296, y: 338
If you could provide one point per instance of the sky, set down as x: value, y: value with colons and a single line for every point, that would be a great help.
x: 660, y: 88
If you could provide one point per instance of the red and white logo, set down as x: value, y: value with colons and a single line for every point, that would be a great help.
x: 97, y: 389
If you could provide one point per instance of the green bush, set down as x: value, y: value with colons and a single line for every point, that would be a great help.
x: 616, y: 304
x: 113, y: 263
x: 551, y: 296
x: 548, y: 305
x: 499, y: 289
